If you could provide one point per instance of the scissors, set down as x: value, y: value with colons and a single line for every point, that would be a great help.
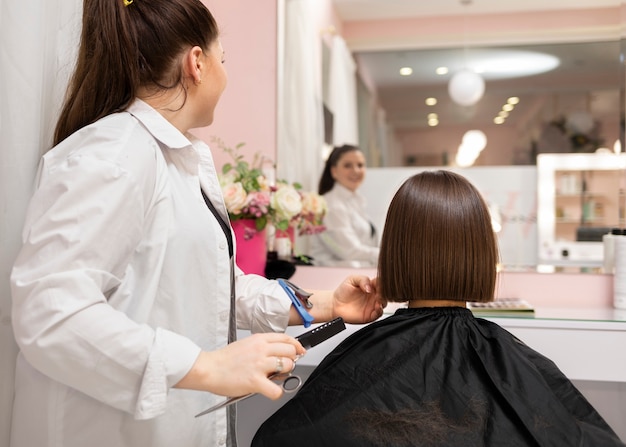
x: 290, y: 382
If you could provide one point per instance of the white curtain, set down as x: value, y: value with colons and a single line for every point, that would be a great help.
x: 300, y: 106
x: 38, y: 41
x: 343, y: 94
x: 300, y: 112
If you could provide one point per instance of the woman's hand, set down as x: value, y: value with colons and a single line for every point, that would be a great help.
x: 357, y: 300
x: 243, y: 367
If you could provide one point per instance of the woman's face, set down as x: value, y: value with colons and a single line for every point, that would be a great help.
x: 215, y: 81
x: 349, y: 171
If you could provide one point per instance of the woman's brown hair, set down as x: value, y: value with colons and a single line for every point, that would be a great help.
x: 327, y: 182
x: 438, y: 242
x: 123, y: 48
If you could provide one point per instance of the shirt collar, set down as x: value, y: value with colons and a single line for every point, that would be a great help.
x: 343, y: 191
x: 158, y: 126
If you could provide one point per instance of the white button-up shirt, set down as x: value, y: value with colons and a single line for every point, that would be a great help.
x: 124, y: 276
x: 348, y: 240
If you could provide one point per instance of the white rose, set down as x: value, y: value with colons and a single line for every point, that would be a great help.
x: 314, y: 203
x: 287, y: 202
x: 228, y: 178
x: 235, y: 197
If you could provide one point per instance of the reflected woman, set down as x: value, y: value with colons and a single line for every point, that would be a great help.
x: 350, y: 239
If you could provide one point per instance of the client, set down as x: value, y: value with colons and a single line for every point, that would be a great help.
x: 432, y: 374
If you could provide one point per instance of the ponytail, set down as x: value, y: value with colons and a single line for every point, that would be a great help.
x: 106, y: 76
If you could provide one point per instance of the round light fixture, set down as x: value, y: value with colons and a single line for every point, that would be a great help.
x: 466, y: 87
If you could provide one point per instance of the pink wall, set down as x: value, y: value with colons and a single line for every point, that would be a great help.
x: 247, y: 110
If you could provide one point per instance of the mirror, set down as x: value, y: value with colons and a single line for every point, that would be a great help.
x: 585, y: 89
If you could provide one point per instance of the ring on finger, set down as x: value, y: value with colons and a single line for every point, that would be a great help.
x: 279, y: 365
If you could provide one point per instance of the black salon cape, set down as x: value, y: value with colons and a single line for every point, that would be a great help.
x: 435, y: 377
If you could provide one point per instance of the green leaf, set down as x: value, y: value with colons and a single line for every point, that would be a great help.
x: 261, y: 222
x: 282, y: 225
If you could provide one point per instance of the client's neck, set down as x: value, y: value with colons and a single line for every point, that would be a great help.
x: 436, y: 303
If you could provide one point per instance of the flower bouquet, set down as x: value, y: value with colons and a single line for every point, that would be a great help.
x: 249, y: 195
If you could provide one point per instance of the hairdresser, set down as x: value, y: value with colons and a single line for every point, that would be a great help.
x: 125, y: 295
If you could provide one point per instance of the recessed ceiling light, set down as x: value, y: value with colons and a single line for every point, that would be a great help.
x: 513, y: 100
x: 431, y: 101
x: 432, y: 116
x: 433, y: 122
x: 498, y: 120
x: 406, y: 71
x: 441, y: 70
x: 508, y: 107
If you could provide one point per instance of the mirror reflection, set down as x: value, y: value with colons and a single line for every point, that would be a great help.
x: 540, y: 98
x: 411, y: 117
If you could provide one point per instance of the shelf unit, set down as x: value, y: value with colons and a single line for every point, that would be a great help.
x: 580, y: 197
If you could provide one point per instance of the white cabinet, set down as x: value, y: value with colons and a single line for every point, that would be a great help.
x: 580, y: 198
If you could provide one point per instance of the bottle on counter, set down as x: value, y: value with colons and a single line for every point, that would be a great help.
x: 619, y: 277
x: 608, y: 244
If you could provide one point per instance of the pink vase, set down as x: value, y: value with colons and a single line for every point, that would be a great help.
x: 251, y: 247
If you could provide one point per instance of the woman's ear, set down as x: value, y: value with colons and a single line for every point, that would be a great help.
x: 193, y: 65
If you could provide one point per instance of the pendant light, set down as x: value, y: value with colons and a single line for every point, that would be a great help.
x: 466, y: 87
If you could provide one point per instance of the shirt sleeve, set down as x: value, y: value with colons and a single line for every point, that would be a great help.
x: 262, y: 305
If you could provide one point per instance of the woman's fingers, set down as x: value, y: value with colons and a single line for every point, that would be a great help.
x: 254, y: 359
x: 281, y: 340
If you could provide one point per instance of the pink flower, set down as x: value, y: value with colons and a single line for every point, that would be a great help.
x: 257, y: 203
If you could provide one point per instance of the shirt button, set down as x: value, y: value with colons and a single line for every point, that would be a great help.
x: 222, y: 245
x: 224, y: 315
x: 222, y: 441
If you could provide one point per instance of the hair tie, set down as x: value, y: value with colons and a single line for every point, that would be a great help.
x: 128, y: 2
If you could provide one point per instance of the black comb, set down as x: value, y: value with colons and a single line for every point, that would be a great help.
x: 323, y: 332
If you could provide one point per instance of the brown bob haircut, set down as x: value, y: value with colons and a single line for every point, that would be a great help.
x: 438, y: 242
